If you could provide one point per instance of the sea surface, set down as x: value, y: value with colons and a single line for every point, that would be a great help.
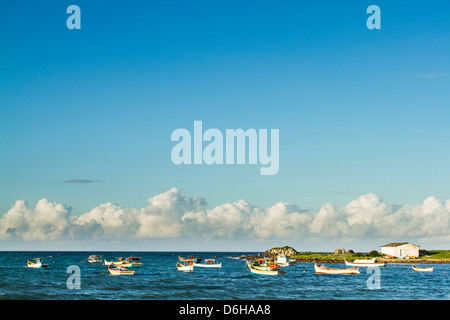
x: 159, y: 279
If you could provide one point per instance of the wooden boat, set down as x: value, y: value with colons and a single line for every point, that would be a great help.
x: 119, y: 270
x: 325, y: 270
x: 37, y: 264
x: 256, y: 269
x: 265, y: 264
x: 187, y: 266
x: 121, y: 262
x: 94, y: 259
x: 282, y: 261
x: 134, y: 261
x: 207, y: 263
x: 189, y: 259
x: 419, y: 269
x: 364, y: 263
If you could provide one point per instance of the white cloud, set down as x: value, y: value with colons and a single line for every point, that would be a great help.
x: 171, y: 215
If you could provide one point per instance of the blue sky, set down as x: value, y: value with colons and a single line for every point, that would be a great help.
x: 359, y: 111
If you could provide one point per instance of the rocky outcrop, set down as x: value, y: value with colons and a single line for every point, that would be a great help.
x: 286, y: 250
x: 339, y: 251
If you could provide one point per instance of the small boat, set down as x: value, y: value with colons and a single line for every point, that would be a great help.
x: 264, y: 270
x: 37, y: 264
x: 325, y: 270
x: 266, y: 264
x: 187, y: 266
x: 94, y: 259
x: 122, y: 262
x: 134, y: 261
x: 364, y: 263
x: 282, y: 261
x: 119, y: 270
x: 419, y: 269
x: 189, y: 259
x: 207, y: 263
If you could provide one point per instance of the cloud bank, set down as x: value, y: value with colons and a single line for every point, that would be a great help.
x: 171, y: 215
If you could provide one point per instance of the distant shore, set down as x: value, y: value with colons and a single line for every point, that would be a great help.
x: 432, y: 256
x: 342, y: 260
x: 395, y: 260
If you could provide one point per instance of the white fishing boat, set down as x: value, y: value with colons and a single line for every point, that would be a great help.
x: 37, y: 264
x: 122, y: 262
x: 207, y: 263
x: 264, y: 270
x: 94, y: 259
x: 364, y: 263
x: 326, y: 270
x: 187, y: 266
x: 419, y: 269
x: 119, y: 270
x: 282, y: 261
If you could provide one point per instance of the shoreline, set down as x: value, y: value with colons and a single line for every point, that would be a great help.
x: 342, y: 260
x: 387, y: 261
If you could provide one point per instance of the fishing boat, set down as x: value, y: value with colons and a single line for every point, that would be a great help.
x: 419, y: 269
x: 37, y: 264
x: 186, y: 266
x: 265, y: 264
x: 122, y: 262
x: 119, y: 270
x: 207, y: 263
x: 256, y: 269
x: 364, y: 263
x: 134, y: 261
x: 282, y: 260
x: 189, y: 259
x: 326, y: 270
x: 94, y: 259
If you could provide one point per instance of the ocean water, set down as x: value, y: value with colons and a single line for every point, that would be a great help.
x: 158, y: 279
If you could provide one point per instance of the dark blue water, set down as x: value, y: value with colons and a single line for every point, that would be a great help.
x: 158, y: 278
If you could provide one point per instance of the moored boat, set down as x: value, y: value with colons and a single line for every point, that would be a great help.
x: 119, y: 270
x: 207, y: 263
x: 282, y: 260
x: 187, y: 266
x: 326, y: 270
x: 37, y: 264
x: 419, y: 269
x: 364, y: 263
x: 189, y: 259
x: 121, y: 262
x: 264, y: 270
x: 135, y: 261
x: 94, y: 259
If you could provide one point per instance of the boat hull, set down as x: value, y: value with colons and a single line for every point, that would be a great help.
x: 204, y: 265
x: 185, y: 268
x: 263, y: 270
x: 36, y: 265
x: 119, y: 263
x: 325, y: 270
x: 417, y: 269
x: 364, y: 264
x: 118, y: 270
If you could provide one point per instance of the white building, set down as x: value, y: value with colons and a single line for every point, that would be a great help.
x: 400, y: 249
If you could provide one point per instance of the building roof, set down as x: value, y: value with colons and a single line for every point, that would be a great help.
x: 396, y: 244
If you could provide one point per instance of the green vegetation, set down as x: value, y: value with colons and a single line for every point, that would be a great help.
x: 330, y: 255
x: 436, y: 254
x: 430, y: 254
